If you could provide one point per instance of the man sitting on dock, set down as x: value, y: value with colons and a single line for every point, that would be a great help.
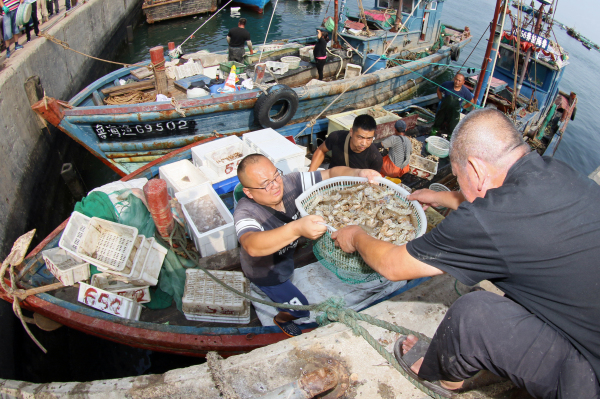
x: 454, y: 96
x: 268, y: 227
x: 237, y: 39
x: 353, y: 148
x: 536, y: 240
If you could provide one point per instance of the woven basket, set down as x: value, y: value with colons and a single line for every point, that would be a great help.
x: 351, y: 268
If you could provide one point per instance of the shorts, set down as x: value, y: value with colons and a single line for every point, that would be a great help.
x: 390, y: 169
x: 287, y: 293
x: 10, y: 24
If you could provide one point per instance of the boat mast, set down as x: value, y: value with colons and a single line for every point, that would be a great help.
x: 528, y: 54
x: 497, y: 38
x: 488, y: 50
x: 336, y: 11
x: 398, y: 17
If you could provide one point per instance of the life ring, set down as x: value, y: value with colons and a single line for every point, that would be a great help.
x: 455, y: 53
x: 277, y: 107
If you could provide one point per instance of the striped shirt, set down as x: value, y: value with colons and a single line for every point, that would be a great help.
x: 400, y: 149
x: 12, y: 4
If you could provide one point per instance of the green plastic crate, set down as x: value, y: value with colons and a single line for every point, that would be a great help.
x: 226, y: 67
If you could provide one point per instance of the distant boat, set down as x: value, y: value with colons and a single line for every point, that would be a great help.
x: 571, y: 32
x: 586, y: 45
x: 255, y: 5
x: 160, y: 10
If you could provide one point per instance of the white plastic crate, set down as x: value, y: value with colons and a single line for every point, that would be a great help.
x: 107, y: 244
x: 206, y: 300
x: 352, y: 71
x: 73, y: 232
x: 67, y: 268
x: 220, y: 239
x: 225, y: 160
x: 180, y: 176
x: 422, y: 167
x: 109, y: 302
x: 278, y: 68
x: 147, y: 269
x: 107, y: 282
x: 284, y: 154
x: 135, y: 261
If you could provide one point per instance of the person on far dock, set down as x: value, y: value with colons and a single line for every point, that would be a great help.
x: 9, y: 19
x: 237, y: 38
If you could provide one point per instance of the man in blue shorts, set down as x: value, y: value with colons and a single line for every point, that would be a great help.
x: 9, y: 19
x: 268, y: 227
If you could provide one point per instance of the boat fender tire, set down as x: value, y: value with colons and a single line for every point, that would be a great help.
x: 573, y: 113
x: 286, y: 101
x: 455, y: 53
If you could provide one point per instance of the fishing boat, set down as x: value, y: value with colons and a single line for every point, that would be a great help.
x: 254, y: 5
x: 160, y: 10
x: 126, y: 137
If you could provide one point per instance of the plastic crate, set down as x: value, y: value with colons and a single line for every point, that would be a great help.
x: 108, y: 283
x: 199, y: 156
x: 278, y: 68
x: 181, y: 175
x: 107, y: 244
x: 206, y: 300
x: 222, y: 238
x: 422, y: 167
x: 67, y: 268
x: 224, y: 161
x: 225, y: 67
x: 352, y: 71
x: 153, y: 264
x: 135, y: 261
x: 73, y: 232
x: 344, y: 121
x: 285, y: 155
x: 109, y: 302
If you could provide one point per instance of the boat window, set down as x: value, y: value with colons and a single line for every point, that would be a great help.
x: 407, y: 6
x: 537, y: 73
x: 432, y: 6
x: 506, y: 59
x: 383, y: 4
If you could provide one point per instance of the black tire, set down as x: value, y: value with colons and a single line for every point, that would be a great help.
x: 281, y: 96
x: 455, y: 53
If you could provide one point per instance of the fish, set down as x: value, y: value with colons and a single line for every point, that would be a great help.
x: 381, y: 211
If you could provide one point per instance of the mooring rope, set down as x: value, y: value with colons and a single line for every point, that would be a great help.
x: 331, y: 310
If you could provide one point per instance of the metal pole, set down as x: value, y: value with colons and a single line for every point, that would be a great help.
x: 528, y: 55
x: 398, y: 17
x: 488, y: 49
x: 496, y: 47
x: 336, y: 43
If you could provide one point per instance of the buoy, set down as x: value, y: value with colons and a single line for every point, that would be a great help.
x: 230, y: 82
x: 158, y: 205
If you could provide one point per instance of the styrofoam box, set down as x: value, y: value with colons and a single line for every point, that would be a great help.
x: 221, y: 166
x: 222, y: 238
x: 135, y: 262
x: 199, y: 156
x: 180, y: 176
x: 72, y: 234
x: 352, y: 71
x: 109, y: 302
x: 107, y: 244
x: 67, y: 268
x: 206, y: 300
x: 283, y: 153
x: 107, y: 282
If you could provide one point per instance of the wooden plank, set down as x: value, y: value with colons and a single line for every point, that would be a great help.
x: 142, y: 73
x: 145, y: 85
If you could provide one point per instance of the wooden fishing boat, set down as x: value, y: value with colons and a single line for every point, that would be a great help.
x: 160, y: 10
x: 254, y: 5
x: 164, y: 330
x: 125, y: 137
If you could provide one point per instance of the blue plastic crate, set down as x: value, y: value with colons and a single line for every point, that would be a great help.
x: 226, y: 186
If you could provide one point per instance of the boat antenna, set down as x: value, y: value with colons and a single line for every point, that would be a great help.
x: 267, y: 34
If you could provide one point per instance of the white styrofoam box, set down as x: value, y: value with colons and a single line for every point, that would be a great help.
x: 180, y: 176
x: 73, y: 232
x: 107, y: 282
x: 306, y: 53
x: 67, y: 268
x: 109, y: 302
x: 278, y: 68
x: 304, y: 149
x: 217, y: 240
x: 107, y: 244
x: 206, y: 300
x: 134, y: 263
x: 352, y: 71
x: 224, y: 160
x: 284, y: 154
x: 199, y: 152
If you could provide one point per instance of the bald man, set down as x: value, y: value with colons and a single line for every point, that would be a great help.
x: 535, y: 239
x: 268, y: 227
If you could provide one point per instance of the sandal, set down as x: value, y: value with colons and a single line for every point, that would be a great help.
x: 289, y: 328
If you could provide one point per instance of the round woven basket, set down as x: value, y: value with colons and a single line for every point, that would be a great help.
x: 438, y: 146
x: 351, y: 268
x: 294, y: 62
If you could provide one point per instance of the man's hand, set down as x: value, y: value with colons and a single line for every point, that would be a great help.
x: 369, y: 174
x: 309, y: 227
x: 426, y: 197
x: 344, y: 238
x: 5, y: 9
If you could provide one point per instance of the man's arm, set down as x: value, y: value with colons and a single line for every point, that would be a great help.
x: 228, y: 39
x: 263, y: 243
x: 448, y: 199
x: 339, y: 171
x: 318, y: 157
x: 391, y: 261
x: 439, y: 93
x: 249, y: 43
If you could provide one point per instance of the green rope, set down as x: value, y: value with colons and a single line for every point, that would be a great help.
x: 332, y: 310
x: 435, y: 63
x: 427, y: 79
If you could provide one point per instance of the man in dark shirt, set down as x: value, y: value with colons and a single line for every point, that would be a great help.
x: 530, y: 225
x: 268, y: 226
x: 354, y: 149
x: 454, y: 96
x: 237, y: 38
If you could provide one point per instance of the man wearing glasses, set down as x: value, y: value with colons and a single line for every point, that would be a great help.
x: 353, y: 148
x: 268, y: 227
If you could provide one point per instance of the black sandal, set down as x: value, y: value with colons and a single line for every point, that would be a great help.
x: 289, y: 328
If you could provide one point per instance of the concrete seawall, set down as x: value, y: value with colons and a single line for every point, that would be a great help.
x: 27, y: 154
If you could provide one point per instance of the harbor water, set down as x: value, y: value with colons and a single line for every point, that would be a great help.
x: 84, y: 358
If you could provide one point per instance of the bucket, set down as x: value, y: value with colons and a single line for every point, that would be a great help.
x: 238, y: 194
x: 23, y: 14
x: 374, y: 59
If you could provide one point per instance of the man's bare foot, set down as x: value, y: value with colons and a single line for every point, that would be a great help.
x: 407, y: 345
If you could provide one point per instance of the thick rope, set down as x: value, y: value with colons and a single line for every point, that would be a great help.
x: 332, y: 310
x: 135, y: 97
